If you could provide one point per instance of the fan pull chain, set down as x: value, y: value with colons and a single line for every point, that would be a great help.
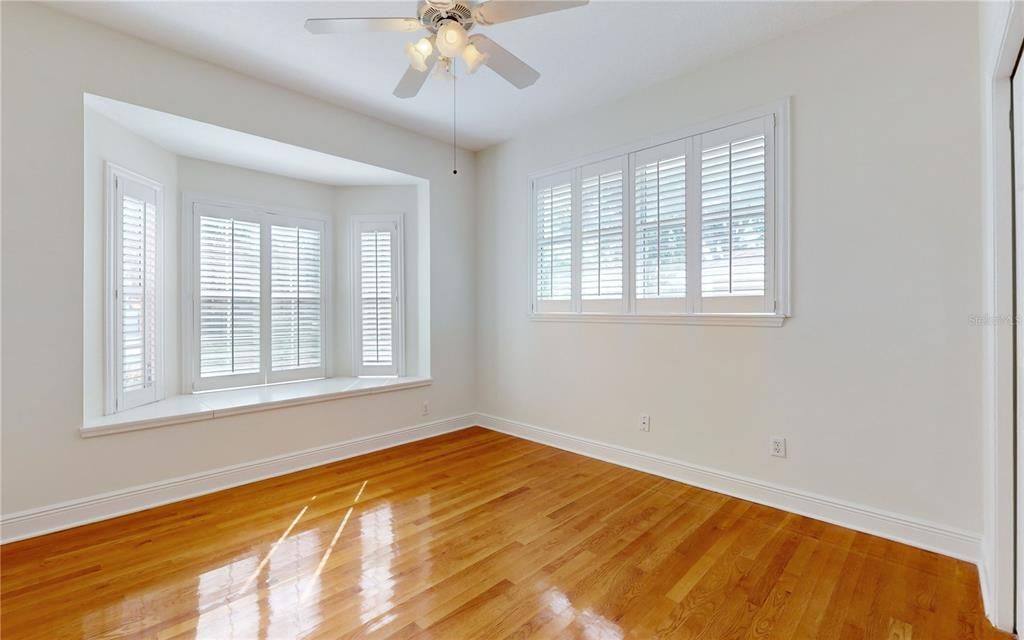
x: 455, y: 149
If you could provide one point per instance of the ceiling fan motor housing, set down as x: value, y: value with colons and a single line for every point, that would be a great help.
x: 434, y: 13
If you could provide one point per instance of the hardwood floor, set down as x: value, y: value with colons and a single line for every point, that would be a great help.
x: 478, y: 534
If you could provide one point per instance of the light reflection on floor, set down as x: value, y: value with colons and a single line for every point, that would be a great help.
x: 280, y: 594
x: 233, y: 619
x: 591, y: 625
x: 377, y: 537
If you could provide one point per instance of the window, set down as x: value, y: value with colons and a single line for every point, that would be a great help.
x: 692, y: 229
x: 295, y: 279
x: 258, y: 307
x: 133, y: 297
x: 733, y: 184
x: 602, y: 222
x: 554, y: 206
x: 379, y: 324
x: 660, y: 214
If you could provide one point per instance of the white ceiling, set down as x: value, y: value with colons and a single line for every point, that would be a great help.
x: 194, y: 139
x: 586, y: 55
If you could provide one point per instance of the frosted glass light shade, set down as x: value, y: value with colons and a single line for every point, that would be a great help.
x: 473, y: 58
x: 418, y: 52
x: 451, y: 39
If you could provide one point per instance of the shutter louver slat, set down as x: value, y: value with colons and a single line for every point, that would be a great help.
x: 733, y: 218
x: 230, y: 296
x: 601, y: 202
x: 138, y: 295
x: 296, y: 340
x: 554, y: 242
x: 377, y: 299
x: 660, y: 198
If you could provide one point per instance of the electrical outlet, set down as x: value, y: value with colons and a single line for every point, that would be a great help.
x: 779, y: 447
x: 426, y: 409
x: 645, y: 423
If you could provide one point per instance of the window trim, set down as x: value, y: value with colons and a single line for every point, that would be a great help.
x: 355, y: 223
x: 777, y: 268
x: 265, y: 215
x: 114, y: 401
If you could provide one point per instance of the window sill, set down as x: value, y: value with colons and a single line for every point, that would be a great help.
x: 721, y: 319
x: 217, y: 404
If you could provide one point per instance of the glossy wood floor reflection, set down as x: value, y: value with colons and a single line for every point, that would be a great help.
x: 478, y: 535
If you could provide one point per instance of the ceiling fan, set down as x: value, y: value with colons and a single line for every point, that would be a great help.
x: 448, y: 23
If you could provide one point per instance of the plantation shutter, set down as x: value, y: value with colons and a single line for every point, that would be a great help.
x: 553, y: 258
x: 135, y: 292
x: 296, y: 314
x: 230, y: 296
x: 660, y: 256
x: 602, y: 228
x: 377, y: 278
x: 735, y: 217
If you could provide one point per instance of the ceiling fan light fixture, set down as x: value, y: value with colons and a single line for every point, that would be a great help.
x: 473, y: 58
x: 418, y: 52
x: 451, y: 39
x: 424, y: 46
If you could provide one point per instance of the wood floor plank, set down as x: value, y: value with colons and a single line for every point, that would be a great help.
x: 476, y: 534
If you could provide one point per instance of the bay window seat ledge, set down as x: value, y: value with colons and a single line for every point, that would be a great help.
x: 217, y: 404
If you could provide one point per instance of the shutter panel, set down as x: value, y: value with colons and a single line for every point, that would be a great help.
x: 602, y: 223
x: 553, y: 246
x: 229, y: 252
x: 296, y: 342
x: 734, y: 217
x: 136, y: 292
x: 377, y: 327
x: 660, y: 228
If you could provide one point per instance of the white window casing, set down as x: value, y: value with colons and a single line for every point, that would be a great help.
x: 255, y: 293
x: 690, y: 229
x: 134, y: 282
x: 378, y: 295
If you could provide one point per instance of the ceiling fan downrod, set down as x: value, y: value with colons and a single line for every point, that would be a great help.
x: 455, y: 148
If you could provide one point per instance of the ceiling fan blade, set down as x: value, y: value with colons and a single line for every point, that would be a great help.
x: 503, y: 63
x: 497, y: 11
x: 361, y: 25
x: 412, y: 80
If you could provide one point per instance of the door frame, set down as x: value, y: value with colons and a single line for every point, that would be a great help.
x: 1003, y: 391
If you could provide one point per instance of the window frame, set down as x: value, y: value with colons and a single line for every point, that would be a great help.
x: 114, y: 395
x: 357, y: 223
x: 696, y: 310
x: 267, y: 216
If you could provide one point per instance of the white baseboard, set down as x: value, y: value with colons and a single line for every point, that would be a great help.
x: 996, y: 597
x: 986, y: 596
x: 918, y: 533
x: 34, y: 522
x: 925, y: 535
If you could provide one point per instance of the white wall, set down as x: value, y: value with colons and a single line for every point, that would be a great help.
x: 106, y: 141
x: 44, y: 460
x: 874, y: 380
x: 255, y: 187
